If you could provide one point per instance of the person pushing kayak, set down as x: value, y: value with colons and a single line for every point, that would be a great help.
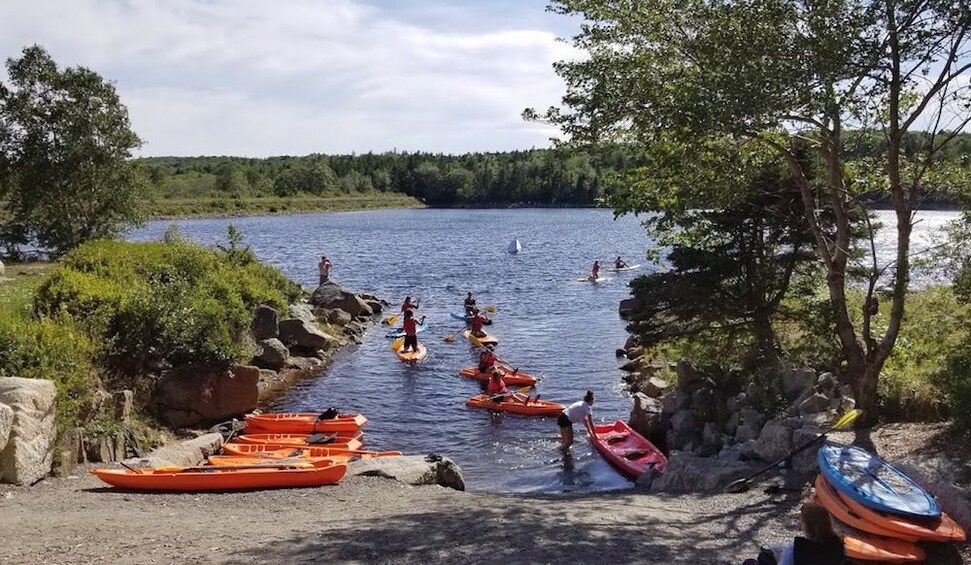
x: 619, y: 263
x: 581, y: 411
x: 408, y: 305
x: 411, y: 331
x: 469, y: 305
x: 595, y: 271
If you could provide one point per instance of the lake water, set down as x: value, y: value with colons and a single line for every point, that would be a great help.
x: 549, y: 324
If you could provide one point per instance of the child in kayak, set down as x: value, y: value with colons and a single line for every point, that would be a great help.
x: 487, y: 359
x: 498, y: 391
x: 619, y: 263
x: 476, y: 323
x: 595, y: 271
x: 411, y: 331
x: 581, y: 411
x: 469, y: 305
x: 409, y: 305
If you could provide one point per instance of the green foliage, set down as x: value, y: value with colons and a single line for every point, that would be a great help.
x: 163, y: 304
x: 65, y: 145
x: 55, y: 350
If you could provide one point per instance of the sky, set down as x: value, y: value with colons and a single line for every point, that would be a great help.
x: 291, y: 77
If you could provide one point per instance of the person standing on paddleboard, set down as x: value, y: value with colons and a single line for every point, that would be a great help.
x: 411, y: 331
x: 595, y: 271
x: 324, y: 268
x: 469, y: 305
x: 408, y: 305
x: 581, y: 411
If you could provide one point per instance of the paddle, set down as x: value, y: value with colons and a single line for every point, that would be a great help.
x: 396, y: 344
x: 207, y: 468
x: 490, y: 308
x: 392, y: 320
x: 741, y: 485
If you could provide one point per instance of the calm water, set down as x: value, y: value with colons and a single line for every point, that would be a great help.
x: 549, y: 324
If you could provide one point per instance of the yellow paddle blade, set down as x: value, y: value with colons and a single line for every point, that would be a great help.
x: 524, y: 389
x: 490, y: 308
x: 474, y: 340
x: 393, y: 320
x: 847, y: 419
x: 396, y: 344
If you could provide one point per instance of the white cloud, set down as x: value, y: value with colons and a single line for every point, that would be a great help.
x: 251, y: 77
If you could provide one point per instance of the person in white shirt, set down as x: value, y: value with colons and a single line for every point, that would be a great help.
x: 578, y: 412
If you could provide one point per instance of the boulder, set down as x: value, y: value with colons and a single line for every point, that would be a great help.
x: 266, y: 322
x: 674, y: 401
x: 620, y: 353
x: 628, y: 306
x: 124, y: 399
x: 805, y: 461
x: 746, y: 432
x: 331, y: 295
x: 187, y: 453
x: 690, y: 473
x: 303, y: 363
x: 797, y: 381
x: 690, y: 379
x: 814, y: 404
x: 339, y: 317
x: 296, y: 332
x: 6, y: 424
x: 645, y: 417
x: 751, y: 417
x: 735, y: 403
x: 826, y: 383
x: 631, y: 366
x: 632, y: 341
x: 271, y: 354
x: 68, y: 452
x: 411, y: 469
x: 303, y: 311
x: 774, y: 442
x: 634, y: 352
x: 191, y: 395
x: 105, y: 448
x: 704, y: 404
x: 29, y: 451
x: 685, y: 422
x: 653, y: 387
x: 711, y: 440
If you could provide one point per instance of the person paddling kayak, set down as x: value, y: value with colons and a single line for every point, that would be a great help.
x: 498, y: 391
x: 476, y: 323
x: 581, y: 411
x: 487, y: 359
x: 595, y: 271
x: 469, y: 305
x: 408, y: 305
x: 619, y: 263
x: 411, y: 331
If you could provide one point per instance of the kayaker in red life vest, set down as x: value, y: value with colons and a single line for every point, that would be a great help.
x: 487, y: 360
x: 576, y: 413
x: 595, y: 271
x: 411, y: 331
x: 498, y: 391
x: 476, y: 323
x: 409, y: 305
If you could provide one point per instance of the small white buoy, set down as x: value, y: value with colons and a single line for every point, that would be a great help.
x: 514, y: 246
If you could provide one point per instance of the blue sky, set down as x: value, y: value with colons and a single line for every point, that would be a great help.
x: 258, y: 78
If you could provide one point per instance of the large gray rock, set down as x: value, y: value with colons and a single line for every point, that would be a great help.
x: 411, y: 470
x: 628, y: 307
x: 6, y: 424
x: 303, y: 311
x: 805, y: 461
x: 632, y: 341
x: 745, y: 432
x: 631, y: 366
x: 652, y: 386
x: 271, y: 354
x: 814, y: 404
x: 685, y: 422
x: 796, y: 381
x: 339, y: 317
x: 774, y: 442
x: 187, y: 453
x: 266, y: 322
x: 690, y: 473
x: 674, y: 401
x: 690, y: 378
x: 332, y: 295
x: 295, y: 332
x: 29, y: 451
x: 645, y: 417
x: 751, y: 417
x: 189, y: 396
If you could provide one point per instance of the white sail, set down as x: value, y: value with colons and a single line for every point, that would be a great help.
x: 514, y: 246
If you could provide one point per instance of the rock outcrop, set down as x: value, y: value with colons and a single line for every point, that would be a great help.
x: 187, y: 453
x: 411, y: 470
x: 266, y: 323
x: 191, y: 396
x: 271, y: 354
x: 29, y: 451
x: 691, y: 473
x: 300, y: 333
x: 333, y: 296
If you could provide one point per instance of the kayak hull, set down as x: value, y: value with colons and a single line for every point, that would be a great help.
x: 872, y: 482
x: 593, y: 280
x: 628, y: 451
x: 487, y: 339
x: 250, y: 461
x: 835, y: 505
x: 282, y: 451
x: 175, y: 479
x: 512, y: 379
x: 868, y: 547
x: 538, y: 408
x: 298, y: 440
x: 303, y: 423
x: 412, y: 356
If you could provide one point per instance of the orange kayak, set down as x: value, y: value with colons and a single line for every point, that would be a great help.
x: 276, y: 451
x: 868, y: 547
x: 248, y: 461
x: 944, y: 529
x: 831, y: 501
x: 298, y: 440
x: 186, y: 479
x: 511, y: 378
x: 302, y: 423
x: 412, y: 356
x: 486, y: 339
x: 515, y: 406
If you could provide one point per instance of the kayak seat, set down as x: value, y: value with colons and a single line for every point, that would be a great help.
x: 616, y: 437
x: 635, y: 453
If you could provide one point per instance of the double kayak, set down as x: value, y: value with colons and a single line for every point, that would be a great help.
x: 868, y: 480
x: 412, y: 355
x: 300, y: 440
x: 303, y: 423
x: 623, y: 269
x: 511, y: 378
x: 244, y: 477
x: 485, y: 339
x: 400, y: 332
x: 628, y: 451
x: 276, y: 451
x: 535, y: 407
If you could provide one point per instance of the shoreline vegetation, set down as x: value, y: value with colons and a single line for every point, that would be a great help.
x: 220, y: 207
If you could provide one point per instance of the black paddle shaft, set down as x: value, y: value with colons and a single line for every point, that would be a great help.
x: 744, y: 481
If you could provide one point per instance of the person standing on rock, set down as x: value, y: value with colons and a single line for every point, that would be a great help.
x: 324, y: 267
x: 580, y: 411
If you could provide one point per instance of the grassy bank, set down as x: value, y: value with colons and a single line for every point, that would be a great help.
x: 265, y: 206
x: 17, y: 286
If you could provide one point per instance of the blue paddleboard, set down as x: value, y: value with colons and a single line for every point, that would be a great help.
x: 874, y: 483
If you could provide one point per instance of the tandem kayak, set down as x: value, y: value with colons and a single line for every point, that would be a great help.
x: 400, y: 332
x: 190, y: 479
x: 535, y: 407
x: 412, y: 356
x: 299, y: 440
x: 870, y: 481
x: 484, y: 340
x: 511, y: 378
x: 628, y: 451
x: 303, y: 423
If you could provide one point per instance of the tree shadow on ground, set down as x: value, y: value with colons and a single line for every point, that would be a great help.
x: 541, y: 529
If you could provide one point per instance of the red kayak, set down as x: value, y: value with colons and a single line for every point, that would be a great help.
x: 627, y: 450
x: 511, y: 378
x: 302, y: 423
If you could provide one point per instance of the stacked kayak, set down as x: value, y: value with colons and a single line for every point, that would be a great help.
x: 303, y: 423
x: 534, y: 407
x: 244, y: 477
x: 628, y: 451
x: 301, y: 440
x: 485, y: 339
x: 882, y: 511
x: 412, y: 356
x: 277, y: 451
x: 511, y: 378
